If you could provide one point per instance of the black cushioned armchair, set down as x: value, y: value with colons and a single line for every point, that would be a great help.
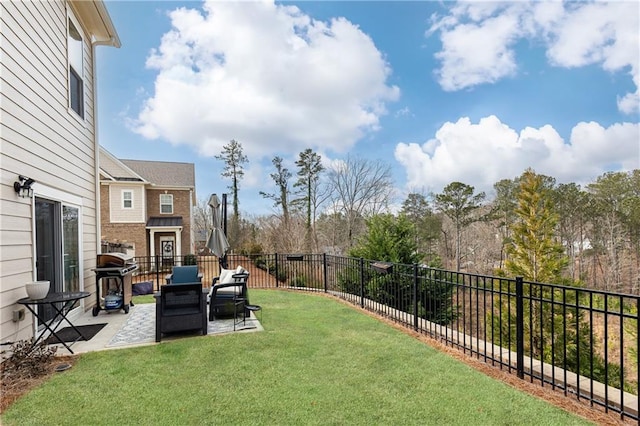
x: 224, y: 295
x: 180, y: 307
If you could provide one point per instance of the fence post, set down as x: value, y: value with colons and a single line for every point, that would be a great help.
x: 324, y: 270
x: 157, y: 265
x: 519, y: 328
x: 277, y: 274
x: 415, y: 296
x: 361, y: 282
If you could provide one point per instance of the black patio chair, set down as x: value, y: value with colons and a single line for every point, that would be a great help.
x: 180, y: 308
x: 228, y: 298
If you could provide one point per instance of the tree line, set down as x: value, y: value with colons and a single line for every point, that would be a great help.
x: 319, y: 208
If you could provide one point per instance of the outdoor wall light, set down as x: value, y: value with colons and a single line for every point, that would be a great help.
x: 23, y: 187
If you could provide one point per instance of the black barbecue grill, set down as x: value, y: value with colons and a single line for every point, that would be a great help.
x: 115, y: 271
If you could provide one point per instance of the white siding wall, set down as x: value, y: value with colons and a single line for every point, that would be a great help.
x: 119, y: 215
x: 42, y: 138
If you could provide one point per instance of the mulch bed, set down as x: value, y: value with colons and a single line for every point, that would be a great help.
x: 14, y: 385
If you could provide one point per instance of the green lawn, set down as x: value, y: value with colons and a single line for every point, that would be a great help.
x: 317, y: 362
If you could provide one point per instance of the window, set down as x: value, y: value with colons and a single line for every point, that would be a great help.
x: 127, y: 199
x: 166, y: 203
x: 76, y: 75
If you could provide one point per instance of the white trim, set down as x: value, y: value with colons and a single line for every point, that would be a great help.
x: 81, y: 72
x: 43, y: 191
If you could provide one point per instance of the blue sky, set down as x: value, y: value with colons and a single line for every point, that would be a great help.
x: 440, y: 91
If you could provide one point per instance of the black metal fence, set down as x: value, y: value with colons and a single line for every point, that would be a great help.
x: 582, y: 342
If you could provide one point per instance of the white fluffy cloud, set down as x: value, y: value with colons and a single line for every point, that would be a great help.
x: 480, y: 154
x: 266, y: 75
x: 479, y: 40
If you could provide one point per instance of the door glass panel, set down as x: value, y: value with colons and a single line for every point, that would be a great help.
x: 167, y: 247
x: 70, y: 248
x: 45, y: 212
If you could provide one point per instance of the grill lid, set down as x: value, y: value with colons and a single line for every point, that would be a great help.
x: 114, y: 259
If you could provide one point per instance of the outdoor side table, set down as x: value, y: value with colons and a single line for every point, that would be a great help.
x: 238, y: 303
x: 61, y: 303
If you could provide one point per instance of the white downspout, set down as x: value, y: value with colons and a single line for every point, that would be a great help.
x: 96, y: 139
x: 96, y: 143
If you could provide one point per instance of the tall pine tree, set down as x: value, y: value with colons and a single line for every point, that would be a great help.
x: 557, y: 333
x: 534, y: 254
x: 233, y: 169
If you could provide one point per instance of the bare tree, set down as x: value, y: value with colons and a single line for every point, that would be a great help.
x: 359, y: 188
x: 201, y: 220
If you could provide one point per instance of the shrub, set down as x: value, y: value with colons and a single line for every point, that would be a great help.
x: 298, y: 281
x: 27, y: 360
x: 190, y: 259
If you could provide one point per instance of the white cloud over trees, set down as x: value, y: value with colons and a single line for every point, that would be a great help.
x: 480, y: 154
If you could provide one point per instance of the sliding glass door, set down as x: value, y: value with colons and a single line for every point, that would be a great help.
x: 57, y: 247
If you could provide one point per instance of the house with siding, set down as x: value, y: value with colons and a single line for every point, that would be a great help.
x: 147, y: 206
x: 49, y: 186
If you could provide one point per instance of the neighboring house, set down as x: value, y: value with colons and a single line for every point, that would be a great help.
x: 147, y: 205
x: 49, y: 151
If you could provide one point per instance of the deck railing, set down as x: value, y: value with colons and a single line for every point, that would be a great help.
x: 582, y: 342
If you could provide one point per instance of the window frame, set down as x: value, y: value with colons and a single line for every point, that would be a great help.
x: 170, y: 196
x: 124, y: 206
x: 75, y: 77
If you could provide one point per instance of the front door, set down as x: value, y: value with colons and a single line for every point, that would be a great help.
x: 167, y: 249
x: 57, y: 247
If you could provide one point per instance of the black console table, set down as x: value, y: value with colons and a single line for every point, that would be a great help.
x: 67, y: 301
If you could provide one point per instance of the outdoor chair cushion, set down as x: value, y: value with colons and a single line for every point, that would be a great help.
x: 228, y: 276
x: 226, y: 289
x: 185, y: 274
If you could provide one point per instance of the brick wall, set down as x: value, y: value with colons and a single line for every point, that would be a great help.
x: 136, y: 233
x: 181, y: 207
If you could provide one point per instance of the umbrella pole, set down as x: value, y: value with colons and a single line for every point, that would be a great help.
x: 223, y: 207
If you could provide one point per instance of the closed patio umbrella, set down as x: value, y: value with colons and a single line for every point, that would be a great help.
x: 217, y: 241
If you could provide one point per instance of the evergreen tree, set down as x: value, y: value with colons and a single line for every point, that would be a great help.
x: 503, y: 211
x: 458, y: 202
x: 309, y: 169
x: 534, y: 254
x: 389, y: 239
x: 233, y: 169
x: 427, y: 226
x: 557, y: 333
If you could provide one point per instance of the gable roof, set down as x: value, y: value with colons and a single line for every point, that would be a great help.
x: 164, y: 173
x: 114, y: 169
